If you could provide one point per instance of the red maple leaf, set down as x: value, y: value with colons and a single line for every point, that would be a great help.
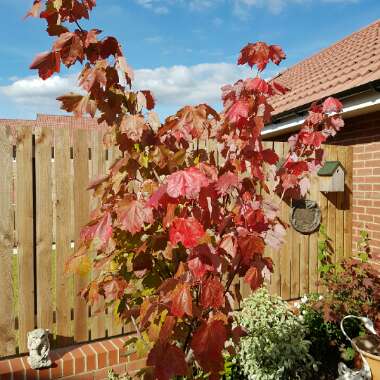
x: 226, y: 182
x: 186, y: 183
x: 35, y: 10
x: 132, y: 215
x: 260, y: 54
x: 212, y: 294
x: 201, y: 261
x: 182, y: 301
x: 289, y: 181
x: 168, y: 361
x: 133, y: 126
x: 332, y: 105
x: 189, y: 122
x: 250, y: 245
x: 258, y: 85
x: 188, y: 231
x: 275, y: 237
x: 296, y: 167
x: 93, y: 75
x: 114, y: 288
x: 239, y: 110
x: 279, y: 88
x: 314, y: 138
x: 47, y: 64
x: 208, y: 343
x: 270, y: 156
x: 276, y: 54
x: 100, y: 230
x: 254, y: 278
x: 70, y: 46
x: 78, y: 104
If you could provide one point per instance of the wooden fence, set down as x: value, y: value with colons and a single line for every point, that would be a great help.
x: 296, y: 264
x: 44, y: 203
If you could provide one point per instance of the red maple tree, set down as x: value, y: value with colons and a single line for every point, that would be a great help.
x: 177, y: 225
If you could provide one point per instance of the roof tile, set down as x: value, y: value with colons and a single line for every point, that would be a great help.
x: 347, y: 64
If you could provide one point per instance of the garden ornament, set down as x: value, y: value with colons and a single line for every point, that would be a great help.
x: 364, y: 373
x: 39, y: 348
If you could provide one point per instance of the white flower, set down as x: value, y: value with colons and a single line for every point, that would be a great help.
x: 320, y: 297
x: 304, y: 299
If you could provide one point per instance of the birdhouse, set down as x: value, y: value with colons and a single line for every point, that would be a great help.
x: 332, y: 177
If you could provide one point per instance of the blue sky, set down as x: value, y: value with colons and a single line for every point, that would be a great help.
x: 184, y: 50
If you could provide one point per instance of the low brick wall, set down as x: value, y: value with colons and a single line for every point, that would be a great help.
x: 83, y: 362
x: 366, y: 194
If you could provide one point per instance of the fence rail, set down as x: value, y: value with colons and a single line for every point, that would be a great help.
x: 44, y: 203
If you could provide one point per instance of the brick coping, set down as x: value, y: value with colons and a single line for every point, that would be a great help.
x: 89, y: 361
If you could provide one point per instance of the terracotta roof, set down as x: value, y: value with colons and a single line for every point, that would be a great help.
x: 17, y: 123
x: 58, y: 121
x: 349, y: 63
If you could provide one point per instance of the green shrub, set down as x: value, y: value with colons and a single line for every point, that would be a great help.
x: 328, y: 344
x: 275, y: 347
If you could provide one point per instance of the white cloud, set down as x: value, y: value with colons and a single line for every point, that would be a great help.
x: 157, y: 6
x: 32, y: 94
x: 154, y: 39
x: 273, y: 6
x: 179, y: 85
x: 173, y: 87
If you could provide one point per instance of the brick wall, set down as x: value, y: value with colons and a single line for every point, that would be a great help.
x: 366, y: 194
x: 89, y: 361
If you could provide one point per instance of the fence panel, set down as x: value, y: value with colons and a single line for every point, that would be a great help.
x: 51, y: 196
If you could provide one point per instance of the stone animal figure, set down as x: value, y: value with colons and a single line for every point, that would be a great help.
x: 39, y: 348
x: 364, y: 373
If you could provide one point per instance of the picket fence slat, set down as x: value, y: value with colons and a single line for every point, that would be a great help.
x: 285, y: 253
x: 348, y: 249
x: 7, y: 313
x: 313, y: 240
x: 98, y: 163
x: 24, y: 227
x: 44, y: 221
x: 81, y: 217
x: 64, y: 224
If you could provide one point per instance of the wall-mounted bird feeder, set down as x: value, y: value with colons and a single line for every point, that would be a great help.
x: 332, y: 177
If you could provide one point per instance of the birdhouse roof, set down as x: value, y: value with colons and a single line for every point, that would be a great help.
x: 329, y: 168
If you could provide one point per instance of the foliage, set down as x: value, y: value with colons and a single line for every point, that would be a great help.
x: 114, y: 376
x: 275, y: 347
x: 177, y: 224
x: 328, y: 344
x: 352, y: 285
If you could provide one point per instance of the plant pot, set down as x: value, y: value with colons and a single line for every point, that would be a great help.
x: 369, y: 346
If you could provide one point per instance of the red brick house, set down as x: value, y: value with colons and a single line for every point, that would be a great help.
x: 350, y: 71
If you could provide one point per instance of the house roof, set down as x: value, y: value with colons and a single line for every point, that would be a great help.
x: 17, y: 123
x: 349, y: 63
x: 59, y: 121
x: 54, y: 121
